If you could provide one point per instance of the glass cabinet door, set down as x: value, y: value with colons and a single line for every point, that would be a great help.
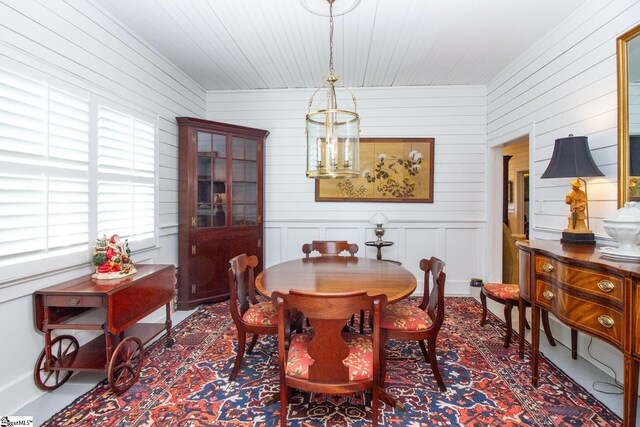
x: 244, y: 182
x: 212, y: 176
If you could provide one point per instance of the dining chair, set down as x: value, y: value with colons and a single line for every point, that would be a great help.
x: 324, y: 359
x: 334, y: 247
x: 249, y: 315
x: 329, y: 247
x: 508, y: 293
x: 422, y: 322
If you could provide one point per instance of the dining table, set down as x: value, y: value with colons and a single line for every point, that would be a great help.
x: 332, y: 274
x: 335, y: 274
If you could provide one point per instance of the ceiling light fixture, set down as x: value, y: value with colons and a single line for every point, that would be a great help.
x: 333, y: 134
x: 319, y: 7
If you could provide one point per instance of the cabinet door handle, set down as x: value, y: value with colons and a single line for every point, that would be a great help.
x: 548, y: 295
x: 606, y: 321
x: 548, y: 268
x: 606, y: 286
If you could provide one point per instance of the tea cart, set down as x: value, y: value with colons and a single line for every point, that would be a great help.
x: 121, y: 304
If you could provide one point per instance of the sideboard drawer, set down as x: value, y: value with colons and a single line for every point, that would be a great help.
x: 591, y: 317
x: 594, y: 282
x: 73, y: 301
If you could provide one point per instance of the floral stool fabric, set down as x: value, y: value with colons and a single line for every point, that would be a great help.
x: 359, y: 361
x: 263, y: 313
x: 503, y: 291
x: 405, y: 318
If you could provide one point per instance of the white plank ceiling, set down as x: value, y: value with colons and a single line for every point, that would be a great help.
x: 258, y: 44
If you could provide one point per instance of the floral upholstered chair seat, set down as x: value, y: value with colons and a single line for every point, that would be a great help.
x: 263, y: 313
x: 503, y: 291
x: 401, y: 317
x: 359, y: 361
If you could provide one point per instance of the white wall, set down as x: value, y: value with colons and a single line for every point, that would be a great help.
x: 452, y: 228
x: 566, y: 84
x: 78, y: 44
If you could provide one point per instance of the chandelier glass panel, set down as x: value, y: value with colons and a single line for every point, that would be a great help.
x: 333, y: 134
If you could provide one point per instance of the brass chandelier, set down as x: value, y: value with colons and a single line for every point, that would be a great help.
x: 333, y: 134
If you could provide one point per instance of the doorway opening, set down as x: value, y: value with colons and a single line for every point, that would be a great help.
x: 516, y: 174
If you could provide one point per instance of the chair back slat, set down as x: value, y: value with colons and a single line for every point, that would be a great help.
x: 241, y: 282
x: 329, y: 247
x: 433, y: 302
x: 328, y: 350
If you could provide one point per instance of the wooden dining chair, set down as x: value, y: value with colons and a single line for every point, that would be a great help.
x: 329, y: 247
x: 326, y: 360
x: 249, y: 315
x: 421, y: 322
x: 508, y: 293
x: 334, y: 247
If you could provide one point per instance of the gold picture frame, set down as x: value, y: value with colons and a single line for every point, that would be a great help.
x: 391, y: 170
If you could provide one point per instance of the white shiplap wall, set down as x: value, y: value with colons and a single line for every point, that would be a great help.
x: 77, y: 45
x: 566, y: 84
x: 452, y: 228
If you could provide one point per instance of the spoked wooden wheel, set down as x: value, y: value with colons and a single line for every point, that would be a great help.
x: 125, y: 365
x: 61, y: 347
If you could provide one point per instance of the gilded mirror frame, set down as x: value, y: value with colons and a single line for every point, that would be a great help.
x: 623, y: 113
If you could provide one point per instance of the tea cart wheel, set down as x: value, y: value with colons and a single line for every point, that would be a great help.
x: 125, y: 365
x: 61, y: 347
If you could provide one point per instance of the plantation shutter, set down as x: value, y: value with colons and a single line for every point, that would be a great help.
x: 44, y: 179
x: 126, y: 177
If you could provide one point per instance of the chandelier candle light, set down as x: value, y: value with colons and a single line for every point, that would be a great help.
x: 333, y: 134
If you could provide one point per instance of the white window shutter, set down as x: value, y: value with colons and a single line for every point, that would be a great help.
x: 46, y: 181
x: 126, y: 176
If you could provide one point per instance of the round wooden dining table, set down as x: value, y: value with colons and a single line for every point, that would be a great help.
x: 332, y: 274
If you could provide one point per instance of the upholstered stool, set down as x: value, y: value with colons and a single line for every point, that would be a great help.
x: 509, y: 295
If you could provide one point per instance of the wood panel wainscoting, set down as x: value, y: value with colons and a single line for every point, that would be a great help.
x: 462, y: 245
x: 588, y: 293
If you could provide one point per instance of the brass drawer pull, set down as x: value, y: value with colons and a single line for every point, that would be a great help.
x: 548, y: 268
x: 606, y: 286
x: 606, y: 321
x: 74, y: 301
x: 548, y: 295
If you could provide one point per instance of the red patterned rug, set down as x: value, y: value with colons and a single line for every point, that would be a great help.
x: 488, y: 385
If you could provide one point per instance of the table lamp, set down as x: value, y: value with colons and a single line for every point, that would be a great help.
x: 379, y: 219
x: 571, y: 158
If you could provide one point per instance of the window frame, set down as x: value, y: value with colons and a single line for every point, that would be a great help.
x: 44, y: 263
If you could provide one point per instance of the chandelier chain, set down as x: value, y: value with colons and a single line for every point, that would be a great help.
x: 331, y: 70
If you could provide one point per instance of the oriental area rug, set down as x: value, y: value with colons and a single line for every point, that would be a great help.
x: 487, y: 385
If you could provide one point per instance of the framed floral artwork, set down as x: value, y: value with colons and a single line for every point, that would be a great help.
x: 391, y: 170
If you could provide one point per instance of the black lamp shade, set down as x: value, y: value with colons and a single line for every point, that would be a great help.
x: 571, y: 158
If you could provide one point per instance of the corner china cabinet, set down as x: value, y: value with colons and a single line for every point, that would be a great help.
x: 221, y: 205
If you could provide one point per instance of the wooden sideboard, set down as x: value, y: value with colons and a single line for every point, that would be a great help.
x: 589, y: 293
